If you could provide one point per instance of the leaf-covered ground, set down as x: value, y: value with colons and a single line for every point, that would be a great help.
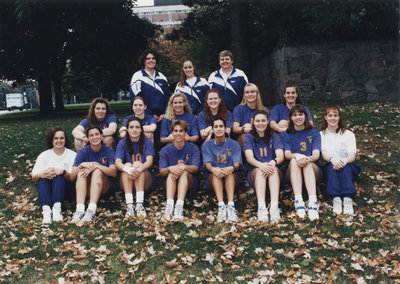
x: 364, y: 248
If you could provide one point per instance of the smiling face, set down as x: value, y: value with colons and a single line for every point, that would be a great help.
x: 298, y: 119
x: 100, y: 111
x: 134, y: 129
x: 290, y: 95
x: 178, y: 105
x: 250, y: 94
x: 225, y: 62
x: 260, y: 123
x: 138, y: 107
x: 59, y: 140
x: 150, y: 61
x: 332, y: 118
x: 188, y: 69
x: 218, y: 128
x: 94, y: 137
x: 213, y: 100
x: 179, y: 134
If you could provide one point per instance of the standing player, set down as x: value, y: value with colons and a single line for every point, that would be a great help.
x: 264, y: 152
x: 93, y: 169
x: 192, y: 86
x: 243, y: 113
x: 179, y: 164
x: 229, y: 80
x: 150, y: 84
x: 52, y: 173
x: 280, y: 113
x: 339, y: 151
x: 101, y: 114
x: 222, y: 160
x: 149, y: 122
x: 134, y: 158
x: 302, y: 144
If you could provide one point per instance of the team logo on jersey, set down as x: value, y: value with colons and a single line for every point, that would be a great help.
x: 187, y: 157
x: 229, y: 151
x: 103, y: 160
x: 309, y: 138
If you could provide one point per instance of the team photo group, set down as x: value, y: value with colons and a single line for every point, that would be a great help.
x: 216, y: 130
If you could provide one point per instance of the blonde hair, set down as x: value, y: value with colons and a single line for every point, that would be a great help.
x: 259, y: 104
x: 170, y: 113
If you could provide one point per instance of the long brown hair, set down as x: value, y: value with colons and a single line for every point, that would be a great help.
x: 300, y: 109
x: 92, y: 118
x: 222, y: 110
x: 341, y: 125
x: 267, y: 132
x: 182, y: 76
x: 141, y: 138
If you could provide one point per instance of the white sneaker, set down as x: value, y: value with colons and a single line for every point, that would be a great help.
x: 348, y: 206
x: 46, y: 215
x: 300, y: 208
x: 262, y: 214
x: 232, y: 214
x: 337, y: 205
x: 140, y: 211
x: 57, y: 214
x: 221, y: 213
x: 169, y: 211
x: 78, y: 215
x: 313, y: 211
x: 89, y: 216
x: 274, y: 213
x: 178, y: 212
x: 130, y: 210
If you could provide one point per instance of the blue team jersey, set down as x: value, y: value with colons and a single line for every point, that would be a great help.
x: 104, y: 157
x: 302, y: 142
x: 189, y: 118
x: 105, y: 123
x: 171, y: 156
x: 203, y: 123
x: 123, y: 151
x: 244, y: 114
x: 155, y: 91
x: 221, y: 155
x: 147, y: 120
x: 262, y: 151
x: 195, y: 94
x: 281, y: 112
x: 232, y: 89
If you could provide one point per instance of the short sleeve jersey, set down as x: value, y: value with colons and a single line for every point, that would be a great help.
x: 189, y: 118
x: 203, y: 123
x: 110, y: 118
x: 262, y: 151
x: 104, y: 157
x: 302, y: 142
x: 281, y: 112
x: 171, y: 156
x: 147, y: 120
x: 123, y: 151
x: 243, y: 114
x: 221, y: 155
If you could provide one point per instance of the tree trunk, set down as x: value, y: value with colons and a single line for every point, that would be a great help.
x: 58, y: 93
x: 239, y: 12
x: 46, y: 102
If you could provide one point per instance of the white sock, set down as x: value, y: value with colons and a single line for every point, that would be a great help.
x: 92, y: 206
x: 274, y: 203
x: 57, y: 205
x: 221, y: 203
x: 179, y: 202
x: 128, y: 198
x: 261, y: 204
x: 46, y: 208
x: 170, y: 202
x: 312, y: 198
x: 139, y: 196
x: 231, y: 203
x: 298, y: 197
x: 80, y: 207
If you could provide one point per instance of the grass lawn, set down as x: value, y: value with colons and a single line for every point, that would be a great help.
x: 363, y: 248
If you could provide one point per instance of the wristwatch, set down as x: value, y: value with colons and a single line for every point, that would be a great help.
x: 64, y: 172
